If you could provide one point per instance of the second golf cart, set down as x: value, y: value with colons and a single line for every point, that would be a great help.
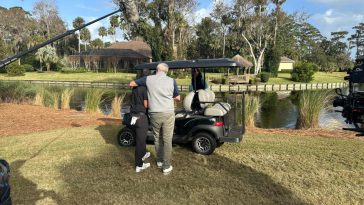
x: 203, y: 121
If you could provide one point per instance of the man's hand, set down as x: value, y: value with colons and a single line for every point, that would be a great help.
x: 177, y: 98
x: 133, y: 84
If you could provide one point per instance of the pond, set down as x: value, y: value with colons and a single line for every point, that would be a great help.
x: 278, y: 109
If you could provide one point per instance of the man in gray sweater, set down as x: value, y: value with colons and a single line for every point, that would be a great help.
x: 162, y: 91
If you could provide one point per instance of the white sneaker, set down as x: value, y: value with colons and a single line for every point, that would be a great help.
x: 159, y: 165
x: 168, y: 170
x: 139, y: 169
x: 146, y: 156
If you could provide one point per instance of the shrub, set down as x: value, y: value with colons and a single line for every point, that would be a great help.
x: 28, y: 67
x: 264, y: 77
x: 16, y: 92
x: 252, y: 80
x: 303, y: 72
x: 14, y: 69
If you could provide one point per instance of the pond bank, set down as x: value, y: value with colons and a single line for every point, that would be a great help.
x: 18, y: 119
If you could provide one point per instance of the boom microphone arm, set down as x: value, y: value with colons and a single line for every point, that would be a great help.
x: 11, y: 59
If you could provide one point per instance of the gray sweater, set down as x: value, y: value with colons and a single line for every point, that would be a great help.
x: 161, y: 91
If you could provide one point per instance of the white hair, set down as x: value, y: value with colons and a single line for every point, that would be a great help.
x: 162, y: 67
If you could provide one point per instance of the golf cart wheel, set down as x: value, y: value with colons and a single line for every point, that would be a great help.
x: 126, y: 137
x: 219, y: 144
x: 203, y: 143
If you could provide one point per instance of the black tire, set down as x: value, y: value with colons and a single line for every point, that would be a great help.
x: 203, y: 143
x: 219, y: 144
x: 126, y: 137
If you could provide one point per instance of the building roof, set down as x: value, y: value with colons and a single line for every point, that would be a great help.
x: 137, y: 46
x: 286, y: 60
x: 121, y: 53
x: 243, y: 61
x: 199, y: 63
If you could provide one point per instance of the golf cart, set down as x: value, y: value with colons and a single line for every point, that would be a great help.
x: 202, y: 121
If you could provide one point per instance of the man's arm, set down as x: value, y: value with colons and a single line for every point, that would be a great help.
x: 176, y: 95
x: 140, y: 82
x: 178, y: 98
x: 146, y: 103
x: 133, y: 84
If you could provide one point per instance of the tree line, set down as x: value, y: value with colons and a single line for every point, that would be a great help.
x: 259, y: 30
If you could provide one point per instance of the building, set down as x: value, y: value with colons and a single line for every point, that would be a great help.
x: 238, y: 79
x: 118, y: 56
x: 286, y: 64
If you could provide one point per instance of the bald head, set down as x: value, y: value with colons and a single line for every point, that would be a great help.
x: 162, y: 67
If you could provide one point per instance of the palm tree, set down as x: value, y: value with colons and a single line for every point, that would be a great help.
x: 111, y: 32
x: 114, y: 22
x: 102, y: 32
x: 85, y: 35
x: 77, y: 23
x: 47, y: 55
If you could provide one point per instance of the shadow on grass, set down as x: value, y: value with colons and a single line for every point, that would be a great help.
x: 26, y: 191
x: 109, y: 178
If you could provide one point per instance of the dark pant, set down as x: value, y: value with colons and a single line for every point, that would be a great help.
x: 141, y: 129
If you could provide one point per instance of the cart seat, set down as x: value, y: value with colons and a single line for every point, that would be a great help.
x: 216, y: 110
x: 203, y: 102
x: 211, y: 108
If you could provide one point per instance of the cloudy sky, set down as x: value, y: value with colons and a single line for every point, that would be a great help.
x: 326, y: 15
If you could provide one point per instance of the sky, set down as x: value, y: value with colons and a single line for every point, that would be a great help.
x: 326, y: 15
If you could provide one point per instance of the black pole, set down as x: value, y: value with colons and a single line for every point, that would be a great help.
x: 11, y: 59
x: 204, y: 78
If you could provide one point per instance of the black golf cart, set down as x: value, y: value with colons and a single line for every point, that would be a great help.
x: 203, y: 121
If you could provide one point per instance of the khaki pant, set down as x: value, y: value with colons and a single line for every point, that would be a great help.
x: 162, y: 127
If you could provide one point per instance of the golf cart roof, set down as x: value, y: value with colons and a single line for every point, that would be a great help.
x: 199, y: 63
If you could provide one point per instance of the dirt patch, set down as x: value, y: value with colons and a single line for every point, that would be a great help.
x: 20, y: 119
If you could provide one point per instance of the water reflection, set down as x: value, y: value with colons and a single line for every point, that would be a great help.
x: 277, y: 111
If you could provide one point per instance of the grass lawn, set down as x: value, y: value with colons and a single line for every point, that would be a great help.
x: 319, y: 77
x: 85, y: 166
x: 283, y: 78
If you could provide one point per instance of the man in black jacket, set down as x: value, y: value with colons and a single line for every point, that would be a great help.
x: 139, y: 105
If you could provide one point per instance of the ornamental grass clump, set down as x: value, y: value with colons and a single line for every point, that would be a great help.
x: 66, y: 98
x: 116, y: 105
x: 252, y: 106
x: 93, y: 99
x: 52, y: 97
x: 309, y: 107
x: 39, y: 97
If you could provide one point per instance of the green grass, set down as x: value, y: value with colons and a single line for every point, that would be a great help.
x: 319, y: 77
x: 108, y: 77
x: 85, y: 166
